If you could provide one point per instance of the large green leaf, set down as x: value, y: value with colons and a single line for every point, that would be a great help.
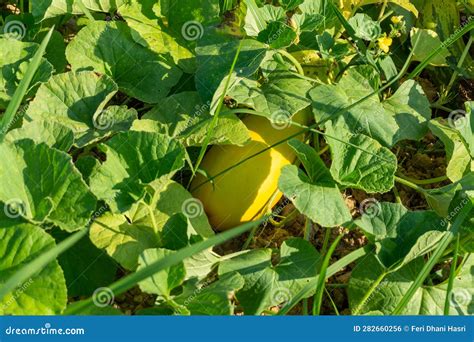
x: 282, y: 92
x: 267, y: 285
x: 401, y: 235
x: 215, y: 54
x: 466, y: 127
x: 14, y: 60
x: 458, y: 155
x: 44, y: 186
x: 43, y: 294
x: 185, y: 117
x: 148, y: 31
x: 315, y: 194
x: 212, y: 299
x: 405, y: 115
x: 369, y: 166
x: 163, y: 282
x: 428, y: 299
x: 125, y: 237
x: 86, y: 268
x: 109, y: 48
x: 78, y: 100
x: 134, y: 159
x: 51, y: 133
x: 44, y: 9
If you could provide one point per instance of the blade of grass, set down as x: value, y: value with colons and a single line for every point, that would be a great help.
x: 133, y: 279
x: 215, y: 118
x: 318, y: 297
x: 24, y: 85
x: 35, y: 266
x: 333, y: 269
x: 85, y: 10
x: 452, y: 274
x: 438, y: 252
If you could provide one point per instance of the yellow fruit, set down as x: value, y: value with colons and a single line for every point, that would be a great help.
x: 242, y: 194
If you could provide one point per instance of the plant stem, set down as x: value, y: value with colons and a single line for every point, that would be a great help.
x: 452, y: 273
x: 460, y: 63
x: 409, y: 184
x: 85, y: 10
x: 424, y: 181
x: 368, y: 293
x: 293, y: 60
x: 382, y: 11
x: 307, y: 232
x: 438, y: 252
x: 397, y: 195
x: 333, y: 269
x: 327, y: 236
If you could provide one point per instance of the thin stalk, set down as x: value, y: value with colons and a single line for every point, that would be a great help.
x: 368, y: 293
x: 307, y: 232
x: 437, y: 254
x: 215, y: 118
x: 332, y: 270
x: 460, y: 63
x: 24, y: 85
x: 318, y: 297
x: 85, y: 10
x: 334, y: 306
x: 327, y: 236
x: 409, y: 184
x: 452, y: 274
x: 126, y: 283
x: 293, y: 60
x: 382, y: 11
x: 424, y: 181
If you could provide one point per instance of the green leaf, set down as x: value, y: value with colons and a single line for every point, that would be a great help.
x: 370, y: 167
x: 15, y: 57
x: 109, y: 48
x: 213, y: 299
x: 290, y: 5
x: 315, y: 194
x: 403, y: 116
x: 185, y: 117
x: 364, y: 27
x: 44, y: 293
x: 163, y: 282
x: 49, y: 132
x: 55, y: 51
x: 277, y: 35
x: 44, y: 9
x: 283, y: 92
x: 465, y: 126
x: 427, y: 300
x: 44, y: 185
x: 254, y: 18
x: 125, y: 237
x: 134, y: 159
x: 215, y: 54
x: 85, y: 267
x: 428, y: 40
x: 267, y: 285
x: 77, y: 101
x: 458, y: 155
x: 401, y: 235
x: 148, y: 31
